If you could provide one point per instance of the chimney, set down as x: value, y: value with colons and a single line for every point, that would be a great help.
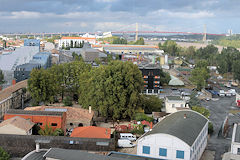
x: 185, y: 116
x: 13, y: 82
x: 90, y: 109
x: 37, y: 147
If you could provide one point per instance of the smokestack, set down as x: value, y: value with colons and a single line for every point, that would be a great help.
x: 90, y: 109
x: 37, y: 147
x: 13, y: 82
x: 185, y: 116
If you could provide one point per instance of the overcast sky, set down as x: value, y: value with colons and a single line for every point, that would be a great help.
x: 119, y: 15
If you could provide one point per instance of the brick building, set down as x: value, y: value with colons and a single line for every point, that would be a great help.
x: 42, y: 118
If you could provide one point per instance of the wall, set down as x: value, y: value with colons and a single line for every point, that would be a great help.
x: 45, y: 120
x: 170, y: 109
x: 156, y: 141
x: 20, y: 145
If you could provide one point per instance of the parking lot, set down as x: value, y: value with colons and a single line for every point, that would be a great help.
x: 219, y: 109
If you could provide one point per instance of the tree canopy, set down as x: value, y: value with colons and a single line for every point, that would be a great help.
x: 115, y: 90
x: 1, y: 78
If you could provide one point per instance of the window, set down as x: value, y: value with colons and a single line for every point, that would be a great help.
x: 238, y: 151
x: 163, y: 152
x: 146, y: 150
x: 39, y: 124
x: 54, y: 124
x: 180, y: 154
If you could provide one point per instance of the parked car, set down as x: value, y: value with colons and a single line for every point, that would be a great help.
x: 125, y: 143
x: 221, y: 93
x: 232, y: 91
x: 228, y: 93
x: 228, y: 85
x: 128, y: 136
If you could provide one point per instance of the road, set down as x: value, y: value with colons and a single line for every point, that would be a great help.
x: 219, y: 110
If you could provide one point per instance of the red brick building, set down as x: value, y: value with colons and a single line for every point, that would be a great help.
x: 42, y: 118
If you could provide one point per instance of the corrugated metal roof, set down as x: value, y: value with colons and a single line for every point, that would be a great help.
x: 22, y: 55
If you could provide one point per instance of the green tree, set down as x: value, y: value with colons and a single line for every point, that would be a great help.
x: 49, y: 131
x: 151, y: 103
x: 1, y: 78
x: 236, y: 70
x: 205, y: 112
x: 194, y: 101
x: 41, y: 86
x: 119, y: 41
x: 206, y: 52
x: 199, y: 77
x: 113, y: 90
x: 142, y: 116
x: 3, y: 154
x: 164, y: 77
x: 202, y: 64
x: 170, y: 47
x: 140, y: 41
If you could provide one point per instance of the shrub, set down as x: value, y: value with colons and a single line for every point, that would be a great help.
x: 3, y: 154
x: 138, y: 130
x: 210, y: 128
x: 142, y: 116
x: 67, y: 101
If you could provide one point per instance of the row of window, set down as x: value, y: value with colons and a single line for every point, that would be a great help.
x: 156, y: 77
x: 163, y: 152
x: 182, y: 105
x: 52, y: 124
x: 150, y: 90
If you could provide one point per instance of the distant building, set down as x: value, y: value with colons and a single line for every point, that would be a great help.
x: 23, y: 71
x: 89, y: 54
x: 129, y: 49
x: 10, y: 60
x: 40, y: 60
x: 91, y: 132
x: 75, y: 41
x: 16, y: 125
x: 174, y: 104
x: 31, y: 42
x: 151, y: 76
x: 181, y: 135
x: 41, y: 118
x: 234, y: 154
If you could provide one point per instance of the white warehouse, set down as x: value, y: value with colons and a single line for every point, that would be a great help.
x: 181, y: 135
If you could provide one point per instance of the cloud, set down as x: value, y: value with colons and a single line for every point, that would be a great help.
x: 94, y: 15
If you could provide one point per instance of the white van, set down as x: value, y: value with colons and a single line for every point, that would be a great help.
x: 128, y: 136
x: 125, y: 143
x: 221, y: 93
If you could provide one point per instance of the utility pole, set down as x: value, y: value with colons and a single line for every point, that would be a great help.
x: 205, y: 34
x: 136, y: 38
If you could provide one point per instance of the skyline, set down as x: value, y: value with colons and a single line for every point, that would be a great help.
x: 118, y: 15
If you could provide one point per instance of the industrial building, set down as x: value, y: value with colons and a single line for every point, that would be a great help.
x: 180, y: 136
x: 129, y: 49
x: 10, y: 60
x: 75, y: 41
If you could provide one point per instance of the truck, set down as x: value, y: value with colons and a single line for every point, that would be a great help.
x: 128, y: 136
x: 125, y: 143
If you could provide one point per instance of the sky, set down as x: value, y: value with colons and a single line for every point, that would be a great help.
x: 21, y: 16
